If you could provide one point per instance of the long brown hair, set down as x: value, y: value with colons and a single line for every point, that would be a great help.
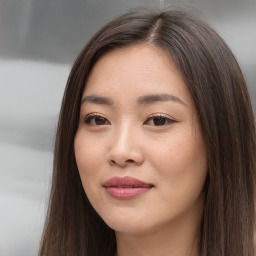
x: 218, y: 88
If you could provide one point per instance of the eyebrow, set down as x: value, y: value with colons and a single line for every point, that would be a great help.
x: 97, y: 100
x: 146, y: 99
x: 151, y: 98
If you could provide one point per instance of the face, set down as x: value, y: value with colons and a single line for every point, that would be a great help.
x: 138, y: 147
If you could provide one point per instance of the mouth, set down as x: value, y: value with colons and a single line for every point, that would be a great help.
x: 125, y: 188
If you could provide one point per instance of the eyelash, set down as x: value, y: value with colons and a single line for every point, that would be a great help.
x: 91, y: 117
x: 160, y: 117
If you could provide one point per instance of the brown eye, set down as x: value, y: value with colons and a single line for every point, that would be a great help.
x: 159, y: 121
x: 96, y: 120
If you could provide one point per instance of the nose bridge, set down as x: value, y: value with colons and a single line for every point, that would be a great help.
x: 124, y: 147
x: 123, y: 137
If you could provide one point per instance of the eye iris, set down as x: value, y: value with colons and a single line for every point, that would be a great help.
x: 159, y: 120
x: 99, y: 120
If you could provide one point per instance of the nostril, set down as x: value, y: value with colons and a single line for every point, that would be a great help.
x: 112, y: 162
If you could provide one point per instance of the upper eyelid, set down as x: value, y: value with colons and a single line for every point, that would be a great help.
x: 149, y: 117
x: 93, y: 115
x: 162, y: 115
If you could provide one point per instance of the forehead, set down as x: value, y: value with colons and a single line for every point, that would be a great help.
x: 136, y: 69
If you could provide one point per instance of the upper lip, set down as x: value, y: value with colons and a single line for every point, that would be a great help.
x: 126, y: 181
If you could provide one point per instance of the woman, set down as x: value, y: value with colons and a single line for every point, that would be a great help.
x: 155, y: 147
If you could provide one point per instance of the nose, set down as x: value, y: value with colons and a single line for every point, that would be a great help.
x: 125, y: 148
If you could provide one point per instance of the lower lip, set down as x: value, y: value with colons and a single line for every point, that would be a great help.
x: 126, y: 193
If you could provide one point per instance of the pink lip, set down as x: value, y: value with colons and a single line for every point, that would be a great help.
x: 126, y: 187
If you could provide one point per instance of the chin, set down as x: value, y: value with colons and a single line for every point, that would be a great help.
x: 129, y: 224
x: 130, y: 229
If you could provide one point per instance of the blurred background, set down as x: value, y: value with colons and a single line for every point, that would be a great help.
x: 39, y: 41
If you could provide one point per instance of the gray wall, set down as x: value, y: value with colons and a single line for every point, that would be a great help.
x: 39, y: 40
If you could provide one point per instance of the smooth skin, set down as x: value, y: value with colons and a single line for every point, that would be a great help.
x: 125, y: 131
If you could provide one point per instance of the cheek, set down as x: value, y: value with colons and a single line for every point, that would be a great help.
x: 87, y: 151
x: 181, y: 164
x: 88, y: 159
